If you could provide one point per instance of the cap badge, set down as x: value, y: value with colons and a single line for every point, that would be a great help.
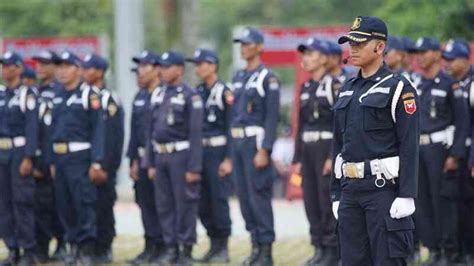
x: 356, y: 23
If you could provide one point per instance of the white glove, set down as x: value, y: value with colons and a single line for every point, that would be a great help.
x: 402, y: 207
x: 335, y: 207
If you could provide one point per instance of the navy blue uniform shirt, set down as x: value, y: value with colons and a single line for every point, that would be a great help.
x: 442, y: 104
x: 77, y: 117
x: 257, y: 102
x: 369, y: 125
x: 315, y: 113
x: 19, y: 116
x: 176, y: 115
x: 113, y: 116
x: 140, y: 124
x: 218, y: 101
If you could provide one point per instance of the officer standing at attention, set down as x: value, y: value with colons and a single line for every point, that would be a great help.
x: 253, y: 128
x: 333, y: 65
x: 457, y: 55
x: 443, y: 111
x: 174, y: 154
x: 28, y: 77
x: 148, y: 79
x: 214, y: 206
x: 47, y: 218
x: 313, y: 157
x: 395, y: 56
x: 375, y: 154
x: 95, y: 67
x: 78, y: 154
x: 18, y: 144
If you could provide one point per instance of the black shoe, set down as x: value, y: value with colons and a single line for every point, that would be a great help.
x: 265, y: 257
x: 254, y: 254
x: 318, y: 254
x: 185, y: 256
x: 218, y: 252
x: 29, y: 258
x: 86, y: 253
x: 330, y: 257
x: 433, y: 258
x: 168, y: 256
x: 104, y: 257
x: 12, y: 259
x: 147, y: 255
x: 61, y: 252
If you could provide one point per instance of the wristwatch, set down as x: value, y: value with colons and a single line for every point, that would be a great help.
x: 97, y: 166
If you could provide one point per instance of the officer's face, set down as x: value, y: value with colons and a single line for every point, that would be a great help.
x: 92, y: 75
x: 393, y: 58
x: 147, y: 73
x: 205, y: 69
x: 68, y: 73
x: 311, y: 60
x: 45, y: 70
x: 250, y: 50
x: 426, y: 59
x: 11, y: 71
x: 363, y: 53
x: 457, y: 67
x: 333, y: 61
x: 28, y: 82
x: 171, y: 74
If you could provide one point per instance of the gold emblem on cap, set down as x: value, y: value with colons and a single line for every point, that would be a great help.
x: 356, y: 23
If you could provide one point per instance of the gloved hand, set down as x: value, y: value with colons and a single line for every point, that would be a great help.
x: 402, y: 207
x: 335, y: 207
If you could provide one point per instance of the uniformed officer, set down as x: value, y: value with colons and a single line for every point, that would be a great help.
x: 78, y: 156
x: 174, y: 154
x: 375, y: 154
x: 95, y: 67
x: 148, y: 80
x: 443, y: 111
x: 18, y: 144
x: 457, y: 54
x: 253, y: 128
x: 214, y: 206
x: 28, y: 77
x: 409, y: 49
x: 334, y: 61
x: 313, y: 149
x: 395, y: 55
x: 47, y: 222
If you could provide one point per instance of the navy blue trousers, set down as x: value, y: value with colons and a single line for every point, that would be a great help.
x: 254, y: 189
x: 106, y: 197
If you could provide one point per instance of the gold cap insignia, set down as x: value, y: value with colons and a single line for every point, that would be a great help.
x: 356, y: 23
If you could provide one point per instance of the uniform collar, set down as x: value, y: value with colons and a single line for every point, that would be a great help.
x: 379, y: 75
x: 469, y: 75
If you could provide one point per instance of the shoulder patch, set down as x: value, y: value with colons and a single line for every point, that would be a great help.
x: 410, y: 106
x: 94, y: 100
x: 112, y: 109
x: 229, y: 97
x: 407, y: 95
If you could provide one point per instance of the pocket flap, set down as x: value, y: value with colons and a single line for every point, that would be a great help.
x: 376, y: 100
x: 399, y: 224
x: 342, y: 102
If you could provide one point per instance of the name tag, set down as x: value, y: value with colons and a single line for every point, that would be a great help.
x: 439, y: 93
x: 384, y: 90
x: 304, y: 96
x: 238, y: 85
x: 139, y: 103
x: 346, y: 93
x: 57, y: 100
x: 177, y: 101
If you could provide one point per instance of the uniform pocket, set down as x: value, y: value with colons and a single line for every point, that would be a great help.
x: 450, y: 185
x: 399, y: 236
x: 377, y: 113
x: 89, y: 192
x: 340, y: 108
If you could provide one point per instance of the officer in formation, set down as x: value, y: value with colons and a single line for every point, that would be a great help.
x: 253, y: 128
x: 215, y: 185
x: 28, y: 77
x: 375, y: 151
x: 18, y: 145
x: 94, y: 67
x: 443, y: 110
x: 148, y: 80
x: 457, y: 57
x: 313, y: 140
x: 47, y: 219
x: 174, y: 158
x: 334, y: 63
